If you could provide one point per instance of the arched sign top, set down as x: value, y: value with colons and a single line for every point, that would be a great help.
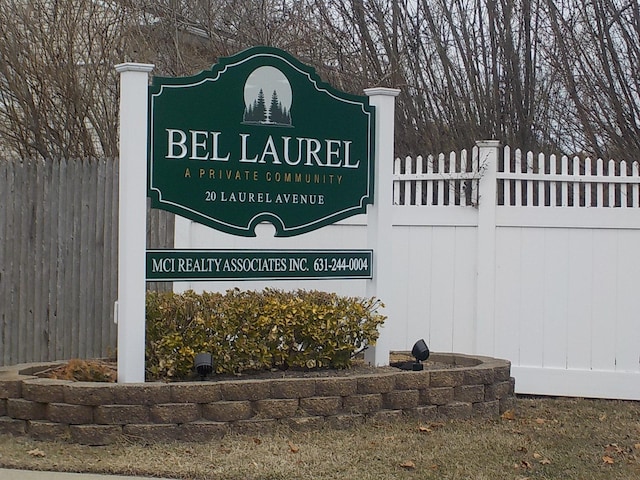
x: 259, y: 137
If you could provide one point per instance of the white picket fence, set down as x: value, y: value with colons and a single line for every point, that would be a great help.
x: 499, y: 252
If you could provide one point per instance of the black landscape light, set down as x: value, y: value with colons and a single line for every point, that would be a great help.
x: 421, y: 352
x: 203, y: 364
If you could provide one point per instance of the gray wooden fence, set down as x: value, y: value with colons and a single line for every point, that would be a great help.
x: 58, y: 258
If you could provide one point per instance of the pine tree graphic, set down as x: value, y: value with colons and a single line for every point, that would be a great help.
x: 276, y: 114
x: 257, y: 112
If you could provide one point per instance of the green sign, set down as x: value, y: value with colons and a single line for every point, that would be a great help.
x: 200, y: 265
x: 257, y: 138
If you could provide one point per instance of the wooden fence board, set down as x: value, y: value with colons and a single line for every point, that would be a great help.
x: 58, y: 258
x: 4, y: 276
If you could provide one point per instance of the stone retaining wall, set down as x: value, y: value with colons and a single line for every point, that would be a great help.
x: 100, y: 413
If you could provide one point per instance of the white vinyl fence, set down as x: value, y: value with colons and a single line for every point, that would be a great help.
x: 504, y: 253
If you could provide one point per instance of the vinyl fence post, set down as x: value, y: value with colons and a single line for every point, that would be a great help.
x: 379, y: 219
x: 488, y: 155
x: 132, y: 220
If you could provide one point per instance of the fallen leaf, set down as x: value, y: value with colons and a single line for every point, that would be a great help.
x: 637, y: 446
x: 608, y: 460
x: 408, y: 464
x: 613, y: 448
x: 424, y: 429
x: 540, y: 421
x: 525, y: 464
x: 537, y: 456
x: 545, y: 461
x: 509, y: 415
x: 293, y: 448
x: 257, y: 441
x: 36, y: 452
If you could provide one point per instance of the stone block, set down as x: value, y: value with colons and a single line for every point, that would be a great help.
x: 293, y: 388
x: 245, y: 390
x: 87, y: 393
x: 276, y: 408
x: 503, y: 372
x: 95, y: 435
x: 446, y: 378
x: 401, y: 399
x: 121, y: 414
x: 44, y: 390
x: 3, y: 407
x: 25, y: 409
x: 69, y: 414
x: 322, y: 406
x: 254, y: 426
x: 508, y: 403
x: 47, y: 431
x: 203, y: 431
x: 142, y: 394
x: 161, y: 433
x: 380, y: 383
x: 456, y: 410
x: 424, y: 413
x: 304, y: 424
x: 345, y: 421
x: 341, y: 387
x: 385, y: 416
x: 436, y: 396
x: 175, y: 413
x: 497, y: 391
x: 479, y: 376
x: 469, y: 393
x: 487, y: 409
x: 13, y: 426
x: 227, y: 411
x: 409, y: 380
x: 192, y: 392
x: 363, y: 403
x: 10, y: 388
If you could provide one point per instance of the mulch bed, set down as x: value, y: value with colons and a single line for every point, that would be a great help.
x: 106, y: 371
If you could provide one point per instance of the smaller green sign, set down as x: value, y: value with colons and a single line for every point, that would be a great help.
x: 202, y: 265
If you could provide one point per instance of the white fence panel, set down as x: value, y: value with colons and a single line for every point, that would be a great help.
x: 628, y: 325
x: 580, y: 299
x: 567, y: 233
x: 559, y: 247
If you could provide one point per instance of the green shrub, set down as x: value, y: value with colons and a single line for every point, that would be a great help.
x: 246, y: 330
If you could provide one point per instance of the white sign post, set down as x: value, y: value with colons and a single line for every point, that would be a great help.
x: 379, y: 222
x: 132, y: 224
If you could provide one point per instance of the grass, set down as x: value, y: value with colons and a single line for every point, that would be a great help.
x: 543, y: 438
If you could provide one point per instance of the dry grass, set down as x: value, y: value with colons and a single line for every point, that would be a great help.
x: 544, y: 439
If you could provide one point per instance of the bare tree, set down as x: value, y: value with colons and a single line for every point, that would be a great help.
x: 599, y: 54
x: 57, y: 85
x: 551, y: 74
